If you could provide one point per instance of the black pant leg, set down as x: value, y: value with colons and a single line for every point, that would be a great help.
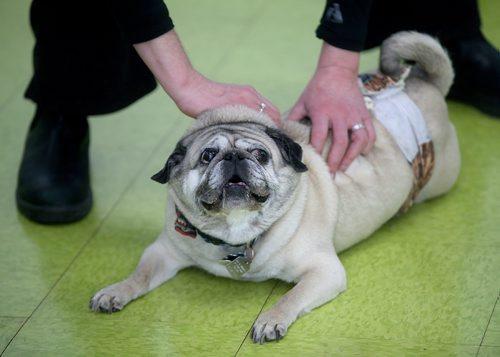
x: 82, y: 63
x: 448, y: 20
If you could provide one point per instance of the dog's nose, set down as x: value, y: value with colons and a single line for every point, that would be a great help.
x: 233, y: 156
x: 235, y: 165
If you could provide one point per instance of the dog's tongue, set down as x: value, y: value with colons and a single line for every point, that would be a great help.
x: 235, y: 191
x: 235, y: 195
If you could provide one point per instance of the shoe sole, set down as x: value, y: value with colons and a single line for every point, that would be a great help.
x: 54, y: 215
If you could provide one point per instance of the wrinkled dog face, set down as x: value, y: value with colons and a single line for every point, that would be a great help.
x: 233, y: 166
x: 234, y: 173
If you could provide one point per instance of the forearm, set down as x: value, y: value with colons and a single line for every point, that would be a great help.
x: 190, y: 90
x: 166, y: 58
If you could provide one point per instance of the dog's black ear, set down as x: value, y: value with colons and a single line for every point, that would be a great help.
x: 173, y: 160
x: 290, y: 150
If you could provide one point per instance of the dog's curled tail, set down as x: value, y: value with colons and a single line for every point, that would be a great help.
x: 428, y: 58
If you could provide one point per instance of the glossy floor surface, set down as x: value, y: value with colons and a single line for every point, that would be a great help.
x: 425, y: 284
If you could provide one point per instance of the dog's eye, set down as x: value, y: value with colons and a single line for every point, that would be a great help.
x: 207, y: 155
x: 261, y: 155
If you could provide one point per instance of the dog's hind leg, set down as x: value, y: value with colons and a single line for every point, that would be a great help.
x: 156, y: 266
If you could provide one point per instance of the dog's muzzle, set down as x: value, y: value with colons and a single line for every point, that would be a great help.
x: 238, y: 189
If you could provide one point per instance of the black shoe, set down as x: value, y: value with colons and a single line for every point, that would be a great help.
x: 54, y: 182
x: 477, y: 74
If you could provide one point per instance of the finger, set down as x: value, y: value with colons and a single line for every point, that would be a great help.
x: 358, y: 142
x: 298, y: 112
x: 252, y: 99
x: 319, y: 133
x: 276, y: 117
x: 263, y: 104
x: 372, y: 136
x: 339, y: 147
x: 271, y: 111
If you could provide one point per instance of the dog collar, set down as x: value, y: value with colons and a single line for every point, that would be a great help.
x: 186, y: 228
x: 237, y: 263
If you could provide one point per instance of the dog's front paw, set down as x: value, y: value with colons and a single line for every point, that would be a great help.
x: 270, y: 326
x: 106, y: 300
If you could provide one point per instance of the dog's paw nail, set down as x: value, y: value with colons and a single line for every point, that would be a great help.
x: 102, y: 302
x: 278, y: 331
x: 263, y: 332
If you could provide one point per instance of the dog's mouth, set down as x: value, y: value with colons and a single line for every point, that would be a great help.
x: 235, y: 194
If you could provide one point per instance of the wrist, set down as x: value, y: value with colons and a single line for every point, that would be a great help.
x: 334, y: 60
x: 184, y: 85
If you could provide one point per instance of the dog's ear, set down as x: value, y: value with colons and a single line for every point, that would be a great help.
x: 173, y: 160
x: 290, y: 150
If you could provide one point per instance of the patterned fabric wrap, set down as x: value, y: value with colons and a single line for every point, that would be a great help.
x: 423, y: 166
x: 398, y: 113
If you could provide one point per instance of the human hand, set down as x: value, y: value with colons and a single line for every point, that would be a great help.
x: 333, y: 100
x: 199, y: 94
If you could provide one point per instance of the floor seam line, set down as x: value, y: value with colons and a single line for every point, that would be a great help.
x: 257, y: 316
x: 87, y: 242
x: 77, y: 255
x: 488, y: 324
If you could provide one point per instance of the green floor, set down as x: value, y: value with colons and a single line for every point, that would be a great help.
x: 425, y: 284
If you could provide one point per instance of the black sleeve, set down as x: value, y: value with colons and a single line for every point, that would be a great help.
x: 344, y: 23
x: 141, y: 20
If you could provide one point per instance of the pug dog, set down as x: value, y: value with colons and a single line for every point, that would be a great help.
x: 251, y: 201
